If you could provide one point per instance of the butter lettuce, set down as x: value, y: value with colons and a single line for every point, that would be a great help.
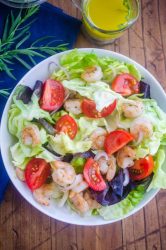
x: 46, y: 155
x: 73, y: 64
x: 31, y: 110
x: 99, y: 91
x: 62, y: 144
x: 158, y: 120
x: 21, y: 114
x: 159, y: 178
x: 21, y: 154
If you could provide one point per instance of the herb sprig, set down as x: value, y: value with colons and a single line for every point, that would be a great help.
x: 12, y: 44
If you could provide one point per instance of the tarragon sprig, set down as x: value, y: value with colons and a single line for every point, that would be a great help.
x: 16, y: 32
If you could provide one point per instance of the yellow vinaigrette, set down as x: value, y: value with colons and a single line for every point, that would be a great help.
x: 108, y: 14
x: 106, y: 20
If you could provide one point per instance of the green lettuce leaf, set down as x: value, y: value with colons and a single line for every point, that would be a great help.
x: 46, y: 155
x: 122, y: 208
x: 16, y: 122
x: 62, y: 144
x: 74, y: 63
x: 159, y: 178
x: 21, y: 114
x: 21, y: 154
x: 31, y: 110
x: 158, y: 119
x: 99, y: 91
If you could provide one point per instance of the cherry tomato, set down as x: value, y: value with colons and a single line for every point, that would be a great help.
x: 116, y: 140
x: 92, y: 175
x: 36, y: 173
x: 89, y: 109
x: 67, y: 125
x: 125, y: 84
x: 53, y: 95
x: 142, y: 168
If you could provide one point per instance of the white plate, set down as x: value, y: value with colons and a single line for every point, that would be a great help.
x: 40, y: 72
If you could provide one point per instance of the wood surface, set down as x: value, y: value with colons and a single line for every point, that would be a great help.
x: 22, y: 227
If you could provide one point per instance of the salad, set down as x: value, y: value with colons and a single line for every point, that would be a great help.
x: 90, y: 137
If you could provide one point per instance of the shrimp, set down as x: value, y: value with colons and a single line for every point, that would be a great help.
x: 92, y: 74
x: 63, y: 173
x: 30, y: 135
x: 125, y: 157
x: 43, y: 194
x: 107, y: 167
x: 141, y: 128
x: 73, y: 106
x: 20, y: 174
x: 111, y: 168
x: 91, y: 202
x: 133, y: 109
x: 78, y: 185
x: 79, y: 202
x: 98, y: 138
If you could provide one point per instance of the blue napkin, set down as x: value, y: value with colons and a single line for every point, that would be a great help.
x: 51, y: 21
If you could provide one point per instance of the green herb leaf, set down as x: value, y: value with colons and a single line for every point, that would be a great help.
x: 16, y: 32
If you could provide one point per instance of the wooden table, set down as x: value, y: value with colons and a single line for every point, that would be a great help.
x: 22, y: 227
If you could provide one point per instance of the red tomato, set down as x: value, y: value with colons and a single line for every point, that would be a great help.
x: 89, y: 109
x: 92, y: 175
x: 116, y: 140
x: 67, y: 125
x: 36, y: 173
x: 125, y: 84
x: 53, y: 95
x: 142, y: 168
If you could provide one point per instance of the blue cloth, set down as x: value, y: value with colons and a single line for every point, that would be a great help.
x: 50, y: 21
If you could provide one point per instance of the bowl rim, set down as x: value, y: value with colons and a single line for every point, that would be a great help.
x: 119, y: 56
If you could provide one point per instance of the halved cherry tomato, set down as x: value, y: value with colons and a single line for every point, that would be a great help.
x: 142, y: 168
x: 67, y: 125
x: 89, y: 109
x: 53, y: 95
x: 125, y: 84
x: 116, y: 140
x: 36, y: 173
x: 92, y: 175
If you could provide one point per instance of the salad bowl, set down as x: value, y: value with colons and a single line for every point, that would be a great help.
x: 42, y: 72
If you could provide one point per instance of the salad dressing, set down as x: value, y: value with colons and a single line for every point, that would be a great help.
x: 107, y: 14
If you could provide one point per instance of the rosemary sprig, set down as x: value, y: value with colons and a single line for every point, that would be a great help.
x: 16, y: 32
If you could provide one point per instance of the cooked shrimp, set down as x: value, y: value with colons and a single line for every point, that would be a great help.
x: 98, y: 138
x: 132, y: 109
x: 20, y: 174
x: 78, y: 185
x: 107, y: 167
x: 63, y: 173
x: 91, y: 202
x: 79, y: 202
x: 141, y: 128
x: 30, y: 135
x: 111, y: 168
x: 73, y: 106
x: 44, y: 193
x: 103, y: 165
x: 92, y: 74
x: 125, y: 157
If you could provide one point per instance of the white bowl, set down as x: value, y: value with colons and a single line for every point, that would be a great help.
x: 40, y: 72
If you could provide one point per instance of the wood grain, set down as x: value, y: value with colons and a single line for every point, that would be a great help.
x: 22, y: 227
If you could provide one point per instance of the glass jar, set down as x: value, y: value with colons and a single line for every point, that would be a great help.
x: 103, y: 36
x: 22, y: 3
